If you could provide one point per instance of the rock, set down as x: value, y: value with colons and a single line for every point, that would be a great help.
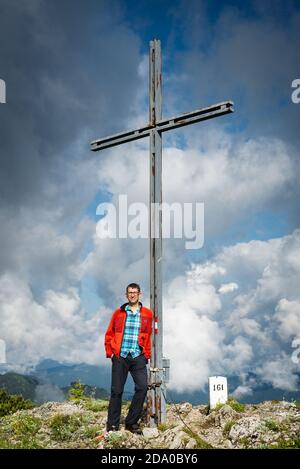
x: 224, y: 415
x: 191, y: 444
x: 246, y: 427
x: 185, y: 408
x: 149, y: 433
x: 227, y: 444
x: 178, y: 441
x: 258, y: 425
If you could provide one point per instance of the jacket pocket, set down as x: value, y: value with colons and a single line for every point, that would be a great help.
x: 146, y: 325
x: 118, y: 325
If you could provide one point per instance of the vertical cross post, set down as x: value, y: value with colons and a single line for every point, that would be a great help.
x: 156, y: 396
x: 154, y: 130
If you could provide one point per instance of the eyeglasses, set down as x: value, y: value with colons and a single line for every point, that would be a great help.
x: 133, y: 293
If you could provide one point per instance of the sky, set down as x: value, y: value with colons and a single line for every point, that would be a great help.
x: 76, y: 71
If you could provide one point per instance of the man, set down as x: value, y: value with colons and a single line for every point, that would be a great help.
x: 128, y: 344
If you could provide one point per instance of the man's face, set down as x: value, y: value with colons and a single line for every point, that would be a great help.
x: 133, y: 296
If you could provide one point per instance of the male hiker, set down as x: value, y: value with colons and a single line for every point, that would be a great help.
x: 128, y: 344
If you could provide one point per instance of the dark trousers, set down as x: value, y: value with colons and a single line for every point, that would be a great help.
x: 138, y: 370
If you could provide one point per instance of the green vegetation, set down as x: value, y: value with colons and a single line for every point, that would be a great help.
x: 115, y: 440
x: 10, y: 404
x: 76, y: 392
x: 293, y: 443
x: 235, y: 405
x: 19, y: 431
x: 63, y: 425
x: 95, y: 405
x: 162, y: 427
x: 24, y: 425
x: 227, y: 427
x: 272, y: 425
x: 201, y: 444
x: 79, y: 391
x: 15, y: 383
x: 282, y: 443
x: 245, y: 442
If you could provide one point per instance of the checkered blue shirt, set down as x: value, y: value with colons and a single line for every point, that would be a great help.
x: 131, y: 333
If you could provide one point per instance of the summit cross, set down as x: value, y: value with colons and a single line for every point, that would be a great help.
x: 156, y: 398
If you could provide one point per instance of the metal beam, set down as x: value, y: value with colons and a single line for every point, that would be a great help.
x: 156, y: 400
x: 163, y: 125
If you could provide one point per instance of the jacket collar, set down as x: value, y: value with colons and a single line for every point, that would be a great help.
x: 122, y: 308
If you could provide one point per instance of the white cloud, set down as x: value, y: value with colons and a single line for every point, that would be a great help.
x: 288, y: 315
x: 228, y: 287
x: 240, y: 335
x: 280, y: 372
x: 55, y: 328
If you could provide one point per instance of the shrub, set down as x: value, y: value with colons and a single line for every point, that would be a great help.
x: 11, y: 403
x: 162, y: 427
x: 115, y: 440
x: 26, y: 425
x: 272, y: 425
x: 227, y: 427
x: 95, y: 405
x: 76, y: 392
x: 63, y: 426
x: 235, y: 405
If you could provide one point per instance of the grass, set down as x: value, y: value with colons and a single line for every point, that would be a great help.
x: 26, y: 425
x: 63, y: 426
x: 201, y: 444
x: 20, y: 433
x: 115, y: 440
x: 235, y: 405
x: 227, y: 427
x: 162, y: 427
x: 245, y: 442
x: 95, y: 405
x: 293, y: 443
x: 272, y: 425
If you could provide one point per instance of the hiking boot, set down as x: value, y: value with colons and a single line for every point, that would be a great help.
x: 134, y: 429
x: 112, y: 428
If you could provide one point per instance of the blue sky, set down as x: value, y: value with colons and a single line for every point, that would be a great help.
x: 78, y: 71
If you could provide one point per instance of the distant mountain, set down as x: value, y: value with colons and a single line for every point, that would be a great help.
x: 51, y: 380
x: 35, y: 389
x: 90, y: 391
x: 62, y: 374
x: 15, y: 383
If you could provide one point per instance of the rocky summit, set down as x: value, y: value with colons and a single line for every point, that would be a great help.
x: 271, y: 424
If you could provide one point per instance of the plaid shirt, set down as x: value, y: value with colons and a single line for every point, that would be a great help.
x: 131, y: 334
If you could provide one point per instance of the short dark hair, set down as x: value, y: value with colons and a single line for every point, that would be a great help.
x: 133, y: 285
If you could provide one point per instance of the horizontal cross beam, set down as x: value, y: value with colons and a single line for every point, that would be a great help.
x: 163, y: 125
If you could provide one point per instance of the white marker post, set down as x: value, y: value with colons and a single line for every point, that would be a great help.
x: 218, y: 393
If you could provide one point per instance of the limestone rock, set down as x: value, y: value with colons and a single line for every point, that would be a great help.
x: 149, y: 433
x: 246, y: 427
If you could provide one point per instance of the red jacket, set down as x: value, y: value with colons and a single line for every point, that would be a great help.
x: 115, y: 331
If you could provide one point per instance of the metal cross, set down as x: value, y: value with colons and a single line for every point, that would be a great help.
x: 158, y: 365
